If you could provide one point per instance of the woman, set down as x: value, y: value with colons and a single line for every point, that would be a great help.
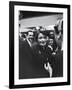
x: 43, y: 55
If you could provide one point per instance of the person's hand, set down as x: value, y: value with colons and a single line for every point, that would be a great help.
x: 53, y: 53
x: 48, y: 68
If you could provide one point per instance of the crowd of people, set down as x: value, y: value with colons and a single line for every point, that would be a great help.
x: 41, y: 53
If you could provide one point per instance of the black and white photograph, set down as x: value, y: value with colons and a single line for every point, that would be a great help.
x: 41, y: 53
x: 40, y: 45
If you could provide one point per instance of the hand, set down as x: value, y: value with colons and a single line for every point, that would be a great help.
x: 48, y: 68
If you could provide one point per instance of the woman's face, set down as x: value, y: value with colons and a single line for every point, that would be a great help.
x: 42, y: 39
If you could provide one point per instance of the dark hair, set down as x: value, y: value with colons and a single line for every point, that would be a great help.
x: 43, y: 32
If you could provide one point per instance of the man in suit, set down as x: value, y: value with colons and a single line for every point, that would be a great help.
x: 26, y: 57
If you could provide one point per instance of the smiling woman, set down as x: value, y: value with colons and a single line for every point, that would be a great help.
x: 42, y: 39
x: 43, y: 55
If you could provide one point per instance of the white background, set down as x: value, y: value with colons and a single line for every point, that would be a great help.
x: 4, y: 44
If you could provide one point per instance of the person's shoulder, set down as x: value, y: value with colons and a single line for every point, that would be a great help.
x: 34, y: 46
x: 59, y: 56
x: 25, y: 42
x: 22, y: 43
x: 59, y: 52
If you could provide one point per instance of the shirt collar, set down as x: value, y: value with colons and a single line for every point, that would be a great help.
x: 29, y: 42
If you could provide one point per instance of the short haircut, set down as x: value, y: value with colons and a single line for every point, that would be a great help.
x: 43, y: 32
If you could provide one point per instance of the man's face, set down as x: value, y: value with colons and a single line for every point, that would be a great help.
x: 42, y: 39
x: 30, y: 36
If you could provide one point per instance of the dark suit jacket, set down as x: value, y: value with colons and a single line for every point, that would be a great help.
x: 31, y: 64
x: 25, y: 60
x: 41, y: 56
x: 58, y: 64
